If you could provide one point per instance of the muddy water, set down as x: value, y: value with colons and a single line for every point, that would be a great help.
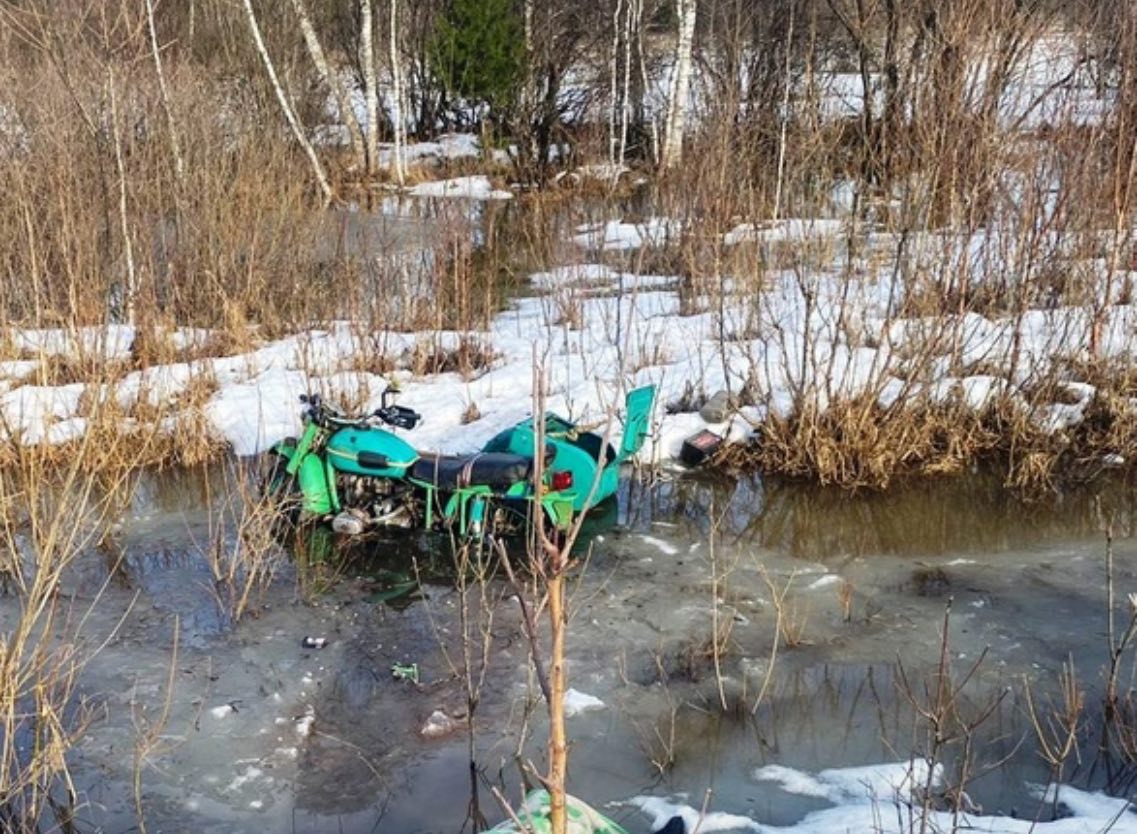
x: 263, y: 733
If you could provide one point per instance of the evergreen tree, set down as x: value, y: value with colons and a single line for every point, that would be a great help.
x: 477, y: 53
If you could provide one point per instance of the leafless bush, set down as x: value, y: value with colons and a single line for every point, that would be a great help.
x: 243, y: 552
x: 55, y: 512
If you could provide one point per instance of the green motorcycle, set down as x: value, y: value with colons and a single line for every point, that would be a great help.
x: 363, y: 477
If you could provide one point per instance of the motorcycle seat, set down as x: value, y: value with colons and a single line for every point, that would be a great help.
x: 497, y: 470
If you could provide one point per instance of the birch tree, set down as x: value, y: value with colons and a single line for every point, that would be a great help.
x: 331, y: 82
x: 680, y: 84
x: 285, y: 105
x: 370, y: 85
x: 396, y: 96
x: 626, y: 29
x: 167, y: 109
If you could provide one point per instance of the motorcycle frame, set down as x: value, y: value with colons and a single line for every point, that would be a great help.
x: 316, y: 477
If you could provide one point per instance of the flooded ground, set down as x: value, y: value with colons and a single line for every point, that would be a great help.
x: 259, y: 731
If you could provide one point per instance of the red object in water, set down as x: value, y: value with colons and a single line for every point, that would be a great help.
x: 561, y: 480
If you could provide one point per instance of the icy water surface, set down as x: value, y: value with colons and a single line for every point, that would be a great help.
x: 263, y: 733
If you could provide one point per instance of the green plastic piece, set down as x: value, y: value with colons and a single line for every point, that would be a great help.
x: 637, y: 420
x: 405, y: 672
x: 534, y: 816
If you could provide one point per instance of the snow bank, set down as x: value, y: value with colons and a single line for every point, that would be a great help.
x: 879, y: 798
x: 472, y: 188
x: 812, y: 338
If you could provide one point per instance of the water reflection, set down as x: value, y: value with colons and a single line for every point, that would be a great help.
x: 966, y: 514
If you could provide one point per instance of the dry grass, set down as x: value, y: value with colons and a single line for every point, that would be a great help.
x: 858, y: 444
x: 243, y: 552
x: 53, y: 513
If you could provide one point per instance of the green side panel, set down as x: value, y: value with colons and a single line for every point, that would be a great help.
x: 570, y: 457
x: 637, y: 420
x: 314, y: 486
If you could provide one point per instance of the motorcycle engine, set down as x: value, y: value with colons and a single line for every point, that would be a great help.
x: 386, y: 503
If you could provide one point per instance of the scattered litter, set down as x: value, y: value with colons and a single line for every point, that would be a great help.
x: 304, y: 722
x: 223, y: 710
x: 699, y: 447
x: 663, y: 547
x: 405, y: 672
x: 717, y: 408
x: 438, y: 725
x: 249, y: 775
x: 578, y: 702
x: 314, y: 642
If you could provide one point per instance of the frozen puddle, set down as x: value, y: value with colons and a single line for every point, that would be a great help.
x: 275, y: 736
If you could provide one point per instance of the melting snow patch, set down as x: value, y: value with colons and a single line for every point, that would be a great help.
x: 471, y: 188
x: 18, y: 368
x: 304, y: 722
x: 828, y: 579
x: 573, y: 275
x: 662, y: 810
x: 663, y: 547
x: 617, y: 236
x: 243, y: 779
x: 863, y: 796
x: 578, y: 702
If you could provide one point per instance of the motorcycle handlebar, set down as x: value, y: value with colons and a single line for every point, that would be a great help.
x: 394, y: 415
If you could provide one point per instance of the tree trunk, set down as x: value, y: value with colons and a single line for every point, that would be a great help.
x: 680, y: 84
x: 370, y: 86
x: 397, y: 98
x: 130, y: 284
x: 558, y: 744
x: 332, y: 83
x: 614, y: 156
x: 175, y: 145
x: 289, y: 113
x: 787, y: 85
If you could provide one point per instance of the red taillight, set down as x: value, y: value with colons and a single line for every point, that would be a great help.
x: 561, y: 481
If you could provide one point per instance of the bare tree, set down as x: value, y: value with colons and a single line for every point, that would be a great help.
x: 680, y: 84
x: 370, y: 85
x: 285, y: 105
x: 332, y: 82
x: 167, y: 109
x: 396, y: 95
